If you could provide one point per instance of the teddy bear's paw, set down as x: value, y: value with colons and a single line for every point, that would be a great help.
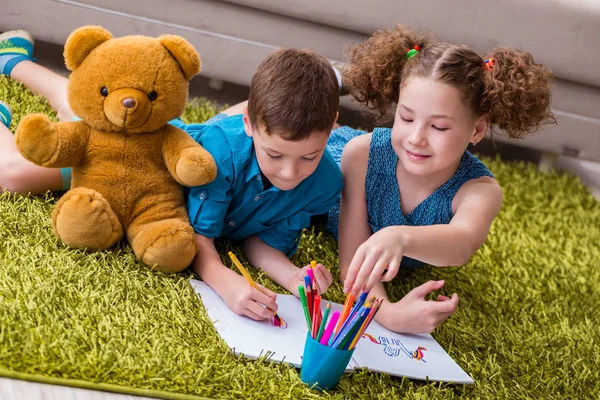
x: 83, y: 218
x: 167, y: 245
x: 196, y: 167
x: 37, y: 138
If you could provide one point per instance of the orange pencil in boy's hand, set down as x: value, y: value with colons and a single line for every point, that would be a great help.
x: 245, y: 274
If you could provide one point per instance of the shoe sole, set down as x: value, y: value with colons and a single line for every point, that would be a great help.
x: 19, y: 33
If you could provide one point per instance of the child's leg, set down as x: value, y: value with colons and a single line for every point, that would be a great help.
x: 17, y: 175
x: 16, y: 60
x: 44, y: 82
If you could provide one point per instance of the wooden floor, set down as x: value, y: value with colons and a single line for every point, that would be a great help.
x: 12, y: 389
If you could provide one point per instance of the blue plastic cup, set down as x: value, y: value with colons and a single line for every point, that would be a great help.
x: 322, y: 365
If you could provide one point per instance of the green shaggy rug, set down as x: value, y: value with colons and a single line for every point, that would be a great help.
x: 528, y: 323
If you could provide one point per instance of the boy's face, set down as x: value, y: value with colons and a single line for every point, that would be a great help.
x: 286, y: 163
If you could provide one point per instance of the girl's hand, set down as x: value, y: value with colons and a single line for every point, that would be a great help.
x: 323, y: 279
x: 245, y: 300
x: 382, y: 251
x: 414, y: 314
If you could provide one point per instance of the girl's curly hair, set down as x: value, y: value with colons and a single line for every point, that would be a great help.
x: 514, y: 92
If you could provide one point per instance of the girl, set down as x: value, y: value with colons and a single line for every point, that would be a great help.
x: 413, y: 194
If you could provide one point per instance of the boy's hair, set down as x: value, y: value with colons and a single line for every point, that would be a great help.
x: 514, y: 91
x: 293, y: 93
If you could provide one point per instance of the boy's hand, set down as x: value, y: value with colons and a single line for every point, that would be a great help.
x: 245, y: 300
x: 381, y: 252
x: 414, y: 314
x: 323, y: 279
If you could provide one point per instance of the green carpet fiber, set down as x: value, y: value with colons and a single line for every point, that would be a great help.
x: 527, y: 324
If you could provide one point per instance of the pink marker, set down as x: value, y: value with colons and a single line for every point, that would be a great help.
x: 311, y: 274
x: 329, y: 329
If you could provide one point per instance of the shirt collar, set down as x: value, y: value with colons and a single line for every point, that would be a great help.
x: 254, y: 169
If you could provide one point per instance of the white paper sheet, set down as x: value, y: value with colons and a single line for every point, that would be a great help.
x: 413, y: 356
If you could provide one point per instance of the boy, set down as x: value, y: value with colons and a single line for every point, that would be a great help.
x: 274, y: 172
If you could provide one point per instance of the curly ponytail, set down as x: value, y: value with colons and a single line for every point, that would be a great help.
x: 517, y: 92
x: 374, y: 71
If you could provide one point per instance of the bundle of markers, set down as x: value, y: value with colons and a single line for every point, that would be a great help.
x: 343, y: 330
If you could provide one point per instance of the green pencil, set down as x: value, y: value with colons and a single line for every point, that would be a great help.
x: 305, y: 306
x: 324, y: 321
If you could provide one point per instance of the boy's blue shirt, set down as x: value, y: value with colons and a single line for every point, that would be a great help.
x: 236, y: 206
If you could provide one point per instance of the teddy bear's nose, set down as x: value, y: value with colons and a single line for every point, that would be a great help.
x: 128, y: 102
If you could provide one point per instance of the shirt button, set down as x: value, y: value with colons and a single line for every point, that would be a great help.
x: 258, y: 177
x: 202, y: 196
x: 231, y: 223
x: 257, y: 198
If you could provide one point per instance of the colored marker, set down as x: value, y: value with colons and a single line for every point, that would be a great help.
x: 311, y: 273
x: 315, y: 316
x: 304, y: 306
x: 323, y: 322
x: 329, y: 329
x: 309, y: 294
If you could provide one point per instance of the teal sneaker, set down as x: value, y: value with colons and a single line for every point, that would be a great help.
x: 5, y: 114
x: 15, y: 46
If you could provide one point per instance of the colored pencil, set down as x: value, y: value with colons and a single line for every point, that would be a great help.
x: 345, y: 334
x: 246, y: 275
x: 364, y: 325
x: 344, y: 314
x: 353, y: 311
x: 345, y: 344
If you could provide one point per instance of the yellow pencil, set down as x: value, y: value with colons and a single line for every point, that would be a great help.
x: 246, y: 275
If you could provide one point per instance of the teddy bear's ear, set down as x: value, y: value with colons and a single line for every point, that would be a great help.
x: 81, y: 42
x: 184, y: 53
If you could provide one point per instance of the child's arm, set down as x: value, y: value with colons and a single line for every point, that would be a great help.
x: 353, y: 228
x: 239, y: 296
x: 477, y: 204
x: 51, y: 144
x: 280, y: 269
x: 412, y: 314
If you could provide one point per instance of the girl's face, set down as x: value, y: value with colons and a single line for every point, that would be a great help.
x: 433, y: 127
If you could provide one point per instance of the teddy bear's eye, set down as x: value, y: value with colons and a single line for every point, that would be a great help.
x: 104, y: 92
x: 152, y: 95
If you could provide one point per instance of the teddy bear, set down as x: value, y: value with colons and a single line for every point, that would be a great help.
x: 128, y: 164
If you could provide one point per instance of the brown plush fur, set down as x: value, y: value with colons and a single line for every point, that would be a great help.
x: 128, y: 163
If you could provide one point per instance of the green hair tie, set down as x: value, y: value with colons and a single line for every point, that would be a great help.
x: 411, y: 52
